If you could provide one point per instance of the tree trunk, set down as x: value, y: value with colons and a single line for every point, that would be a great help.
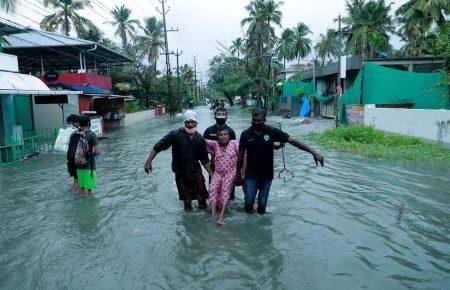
x: 66, y: 23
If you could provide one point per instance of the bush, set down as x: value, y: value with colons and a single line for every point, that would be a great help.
x: 132, y: 107
x: 375, y: 144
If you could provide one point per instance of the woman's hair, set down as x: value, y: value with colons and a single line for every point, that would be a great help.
x: 223, y: 130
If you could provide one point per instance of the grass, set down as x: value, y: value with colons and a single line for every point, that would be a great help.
x: 375, y: 144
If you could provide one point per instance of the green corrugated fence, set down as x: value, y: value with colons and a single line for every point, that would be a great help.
x: 32, y: 142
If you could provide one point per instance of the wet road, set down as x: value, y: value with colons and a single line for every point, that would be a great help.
x: 355, y: 223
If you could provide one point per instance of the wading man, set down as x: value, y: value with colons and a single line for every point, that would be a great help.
x: 258, y: 143
x: 188, y: 151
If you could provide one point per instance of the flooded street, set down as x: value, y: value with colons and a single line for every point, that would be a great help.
x: 356, y: 223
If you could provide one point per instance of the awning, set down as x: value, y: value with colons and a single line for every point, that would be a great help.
x: 85, y: 89
x: 21, y: 84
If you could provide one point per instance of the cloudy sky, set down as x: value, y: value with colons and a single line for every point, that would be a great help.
x: 201, y: 23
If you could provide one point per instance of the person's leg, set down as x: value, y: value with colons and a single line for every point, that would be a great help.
x: 250, y: 195
x: 187, y: 205
x: 264, y: 189
x: 213, y: 191
x: 199, y: 187
x: 183, y: 195
x: 225, y: 193
x: 75, y: 185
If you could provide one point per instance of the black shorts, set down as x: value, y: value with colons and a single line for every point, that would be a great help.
x: 72, y: 170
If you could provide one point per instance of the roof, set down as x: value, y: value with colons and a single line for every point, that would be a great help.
x: 21, y: 84
x: 58, y: 51
x: 85, y: 89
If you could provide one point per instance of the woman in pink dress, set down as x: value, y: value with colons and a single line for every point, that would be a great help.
x: 225, y: 152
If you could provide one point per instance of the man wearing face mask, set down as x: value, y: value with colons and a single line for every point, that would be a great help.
x: 258, y: 142
x: 211, y: 133
x: 188, y: 151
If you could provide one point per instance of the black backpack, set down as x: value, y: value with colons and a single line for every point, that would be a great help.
x: 79, y: 152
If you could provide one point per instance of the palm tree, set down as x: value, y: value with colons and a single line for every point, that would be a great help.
x: 263, y: 14
x: 285, y: 48
x: 125, y: 26
x: 368, y: 25
x: 7, y: 5
x: 152, y: 40
x: 237, y: 46
x: 434, y: 10
x: 302, y: 44
x: 327, y: 46
x: 66, y: 16
x: 93, y: 34
x: 416, y: 18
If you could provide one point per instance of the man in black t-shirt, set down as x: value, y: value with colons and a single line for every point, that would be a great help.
x: 258, y: 142
x: 211, y: 133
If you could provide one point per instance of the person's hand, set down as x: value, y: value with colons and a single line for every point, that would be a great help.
x: 278, y: 145
x: 148, y: 167
x: 318, y: 158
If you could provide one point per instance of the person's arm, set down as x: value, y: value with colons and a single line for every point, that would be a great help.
x: 240, y: 162
x: 318, y: 158
x: 208, y: 168
x: 232, y: 134
x: 203, y: 157
x: 162, y: 144
x: 96, y: 150
x: 211, y: 146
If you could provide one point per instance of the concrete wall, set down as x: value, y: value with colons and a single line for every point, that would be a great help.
x: 433, y: 125
x: 134, y: 118
x: 50, y: 116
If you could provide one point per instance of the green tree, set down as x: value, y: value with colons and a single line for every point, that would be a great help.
x: 327, y: 46
x: 126, y: 27
x: 66, y: 16
x: 367, y: 26
x: 8, y: 5
x: 285, y: 50
x: 237, y: 47
x: 416, y: 19
x: 263, y: 17
x: 434, y: 10
x: 152, y: 40
x: 302, y: 44
x: 92, y: 34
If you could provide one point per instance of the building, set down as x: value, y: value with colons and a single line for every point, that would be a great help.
x: 326, y: 78
x: 72, y: 64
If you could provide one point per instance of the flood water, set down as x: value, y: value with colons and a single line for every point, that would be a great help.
x: 356, y: 223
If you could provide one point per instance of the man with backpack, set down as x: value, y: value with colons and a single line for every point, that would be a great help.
x: 72, y: 122
x: 82, y: 152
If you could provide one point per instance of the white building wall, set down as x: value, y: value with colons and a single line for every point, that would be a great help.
x: 50, y: 116
x: 433, y: 125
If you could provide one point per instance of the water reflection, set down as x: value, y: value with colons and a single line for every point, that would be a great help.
x: 240, y: 254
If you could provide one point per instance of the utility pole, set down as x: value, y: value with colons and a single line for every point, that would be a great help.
x: 195, y: 79
x: 336, y: 100
x: 177, y: 54
x: 167, y: 53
